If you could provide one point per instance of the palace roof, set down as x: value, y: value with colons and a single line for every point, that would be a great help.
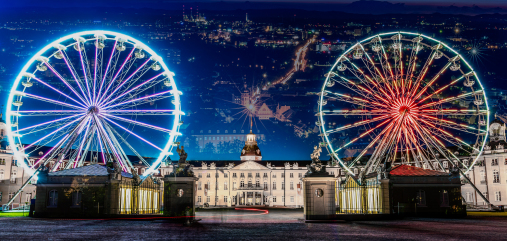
x: 406, y: 170
x: 90, y: 170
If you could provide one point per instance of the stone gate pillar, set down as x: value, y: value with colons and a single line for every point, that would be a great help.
x: 319, y: 191
x: 179, y: 197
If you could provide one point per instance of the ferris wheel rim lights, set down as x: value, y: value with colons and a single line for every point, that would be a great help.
x: 419, y: 37
x: 98, y: 34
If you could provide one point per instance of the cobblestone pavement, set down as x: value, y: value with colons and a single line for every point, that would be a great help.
x: 254, y: 225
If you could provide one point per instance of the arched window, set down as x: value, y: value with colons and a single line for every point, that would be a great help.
x: 496, y: 176
x: 421, y: 198
x: 76, y: 199
x: 53, y: 198
x: 444, y: 198
x: 483, y: 176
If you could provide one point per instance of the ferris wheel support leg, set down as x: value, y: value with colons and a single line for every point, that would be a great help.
x: 476, y: 189
x: 23, y: 186
x: 131, y: 148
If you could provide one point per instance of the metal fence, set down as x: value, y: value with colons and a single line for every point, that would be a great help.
x: 356, y: 198
x: 137, y: 198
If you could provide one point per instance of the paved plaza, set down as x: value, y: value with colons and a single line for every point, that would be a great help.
x: 254, y: 224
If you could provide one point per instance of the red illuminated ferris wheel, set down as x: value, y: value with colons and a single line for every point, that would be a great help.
x: 403, y: 98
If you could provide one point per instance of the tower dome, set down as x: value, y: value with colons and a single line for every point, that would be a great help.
x: 251, y: 151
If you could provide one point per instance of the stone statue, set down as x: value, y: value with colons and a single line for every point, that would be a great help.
x: 316, y: 168
x: 182, y: 153
x: 184, y: 168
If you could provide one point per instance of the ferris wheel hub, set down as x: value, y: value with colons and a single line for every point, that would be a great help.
x: 93, y: 110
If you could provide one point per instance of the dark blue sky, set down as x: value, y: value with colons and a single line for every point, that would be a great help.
x: 165, y: 3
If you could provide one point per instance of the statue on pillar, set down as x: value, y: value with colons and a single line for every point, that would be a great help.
x: 183, y: 168
x: 316, y: 168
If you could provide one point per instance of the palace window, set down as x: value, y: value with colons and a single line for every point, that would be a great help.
x: 226, y: 175
x: 300, y: 175
x: 225, y: 199
x: 208, y: 186
x: 274, y: 198
x: 13, y: 177
x: 291, y: 186
x: 28, y: 197
x: 274, y: 186
x: 249, y: 174
x: 217, y: 175
x: 53, y: 198
x: 257, y: 175
x: 283, y: 174
x: 242, y: 184
x: 216, y: 199
x: 2, y: 161
x: 265, y: 186
x: 291, y: 199
x: 225, y: 186
x: 76, y: 199
x: 283, y: 199
x: 496, y: 176
x: 257, y: 184
x: 498, y: 196
x: 421, y: 198
x: 234, y: 175
x: 494, y: 162
x: 274, y: 175
x: 483, y: 176
x: 234, y: 186
x: 468, y: 197
x: 265, y: 175
x: 199, y: 186
x: 208, y: 199
x: 208, y: 175
x: 444, y: 198
x: 198, y: 199
x: 11, y: 195
x: 242, y: 175
x: 249, y: 184
x: 291, y: 175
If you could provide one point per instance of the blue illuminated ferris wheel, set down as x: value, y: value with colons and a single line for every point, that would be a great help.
x: 93, y: 96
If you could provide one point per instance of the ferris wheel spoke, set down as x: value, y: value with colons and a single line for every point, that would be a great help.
x: 109, y: 144
x: 371, y: 64
x: 75, y: 75
x: 129, y: 146
x: 47, y: 112
x: 447, y: 134
x: 133, y: 89
x: 140, y: 99
x: 453, y: 112
x: 389, y: 127
x: 141, y: 112
x: 82, y: 52
x: 73, y: 135
x: 82, y: 98
x: 432, y: 81
x: 55, y: 131
x: 107, y: 69
x: 443, y: 88
x: 449, y: 99
x: 118, y: 147
x: 137, y: 123
x: 451, y: 124
x: 415, y: 85
x: 357, y: 124
x: 356, y: 112
x: 118, y: 87
x: 51, y: 101
x: 362, y: 76
x: 134, y: 134
x: 46, y: 123
x: 111, y: 82
x: 355, y: 100
x: 438, y: 145
x: 51, y: 87
x: 386, y: 61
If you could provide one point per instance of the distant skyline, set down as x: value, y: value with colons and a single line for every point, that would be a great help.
x: 279, y: 3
